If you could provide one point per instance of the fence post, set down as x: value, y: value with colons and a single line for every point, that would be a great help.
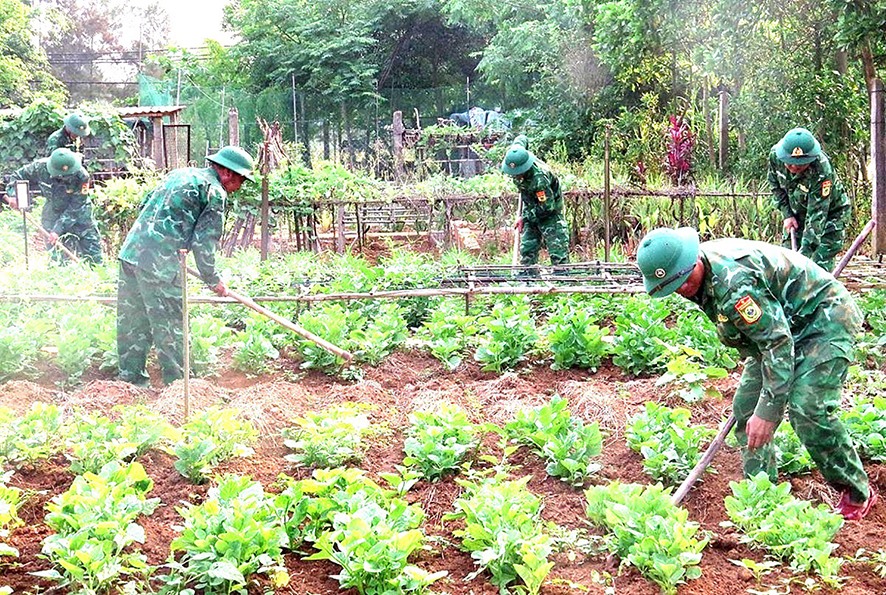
x: 607, y: 198
x: 878, y: 160
x: 233, y: 127
x: 724, y: 129
x: 397, y: 130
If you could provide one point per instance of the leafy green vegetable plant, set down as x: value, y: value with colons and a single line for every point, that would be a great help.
x: 438, y: 441
x: 669, y: 444
x: 353, y: 522
x: 689, y: 377
x: 503, y: 531
x: 329, y: 438
x: 565, y: 442
x: 10, y: 498
x: 650, y: 532
x: 93, y: 440
x: 95, y: 523
x: 641, y: 336
x: 448, y: 333
x: 232, y: 535
x: 509, y: 335
x: 790, y: 454
x: 33, y: 436
x: 790, y: 529
x: 575, y: 340
x: 209, y: 437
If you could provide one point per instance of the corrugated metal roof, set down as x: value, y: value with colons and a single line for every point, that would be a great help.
x: 149, y: 111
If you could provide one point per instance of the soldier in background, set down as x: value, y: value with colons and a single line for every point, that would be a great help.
x: 810, y: 198
x: 186, y: 211
x: 541, y: 220
x: 67, y: 214
x: 69, y: 136
x: 795, y: 325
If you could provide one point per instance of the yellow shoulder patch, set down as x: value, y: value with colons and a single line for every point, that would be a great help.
x: 826, y: 188
x: 541, y: 196
x: 748, y: 309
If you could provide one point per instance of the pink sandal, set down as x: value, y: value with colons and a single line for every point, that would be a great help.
x: 855, y: 512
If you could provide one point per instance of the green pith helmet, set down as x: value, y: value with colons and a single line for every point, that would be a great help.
x: 77, y: 125
x: 666, y: 258
x: 62, y: 163
x: 236, y: 160
x: 517, y: 161
x: 798, y: 147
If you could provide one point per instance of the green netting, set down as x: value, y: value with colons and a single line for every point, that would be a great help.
x: 207, y: 110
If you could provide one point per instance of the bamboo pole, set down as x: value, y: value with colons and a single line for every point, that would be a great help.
x: 298, y: 330
x: 186, y: 333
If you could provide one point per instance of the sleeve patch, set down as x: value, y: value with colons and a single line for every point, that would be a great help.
x: 541, y: 196
x: 748, y: 309
x: 826, y: 188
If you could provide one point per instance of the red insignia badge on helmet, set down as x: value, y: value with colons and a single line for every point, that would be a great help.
x: 748, y: 309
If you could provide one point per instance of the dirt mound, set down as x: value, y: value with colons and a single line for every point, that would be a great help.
x: 272, y: 406
x: 19, y: 395
x: 202, y: 395
x: 102, y: 395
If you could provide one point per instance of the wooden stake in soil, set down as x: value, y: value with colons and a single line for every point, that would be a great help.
x: 186, y: 332
x: 250, y: 303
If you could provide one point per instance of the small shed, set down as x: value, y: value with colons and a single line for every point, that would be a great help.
x: 159, y: 133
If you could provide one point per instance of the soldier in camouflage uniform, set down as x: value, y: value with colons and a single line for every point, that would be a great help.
x: 795, y: 324
x: 185, y: 212
x: 542, y: 216
x: 68, y: 136
x: 809, y: 196
x: 67, y: 214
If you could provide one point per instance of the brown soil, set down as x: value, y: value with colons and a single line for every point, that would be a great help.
x: 409, y: 381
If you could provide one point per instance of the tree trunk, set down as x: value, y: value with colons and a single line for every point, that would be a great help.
x: 326, y: 138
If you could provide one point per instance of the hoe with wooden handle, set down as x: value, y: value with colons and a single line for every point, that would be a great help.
x: 250, y: 303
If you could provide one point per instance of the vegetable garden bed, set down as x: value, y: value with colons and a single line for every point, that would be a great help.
x: 404, y: 383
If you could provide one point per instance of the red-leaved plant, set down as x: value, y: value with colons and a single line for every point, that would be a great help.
x: 681, y: 140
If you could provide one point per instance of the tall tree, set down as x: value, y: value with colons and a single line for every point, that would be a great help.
x: 23, y: 66
x: 95, y: 46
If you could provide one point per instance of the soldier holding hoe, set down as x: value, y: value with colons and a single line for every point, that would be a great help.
x: 185, y: 211
x: 796, y: 326
x: 67, y: 214
x: 542, y: 218
x: 809, y: 196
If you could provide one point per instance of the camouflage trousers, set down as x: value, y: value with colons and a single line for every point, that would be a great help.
x: 831, y: 243
x: 553, y: 232
x: 82, y: 240
x: 812, y: 411
x: 149, y: 311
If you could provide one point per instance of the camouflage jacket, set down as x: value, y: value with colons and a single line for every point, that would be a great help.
x: 815, y: 197
x: 66, y: 205
x: 540, y: 191
x: 61, y: 140
x: 185, y: 211
x: 775, y: 305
